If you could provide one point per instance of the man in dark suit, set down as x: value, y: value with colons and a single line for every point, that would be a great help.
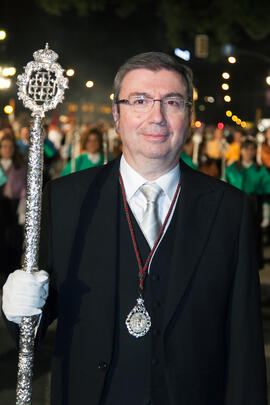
x: 149, y: 313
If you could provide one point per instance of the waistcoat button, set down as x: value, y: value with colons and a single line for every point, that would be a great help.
x: 102, y: 365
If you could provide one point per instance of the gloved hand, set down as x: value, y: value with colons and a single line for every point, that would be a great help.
x: 24, y: 294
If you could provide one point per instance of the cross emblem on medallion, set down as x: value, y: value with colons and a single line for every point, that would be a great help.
x: 42, y: 86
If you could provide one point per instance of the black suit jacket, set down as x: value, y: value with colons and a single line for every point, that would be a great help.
x: 212, y: 349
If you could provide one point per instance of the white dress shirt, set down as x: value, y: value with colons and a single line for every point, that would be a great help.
x: 137, y: 201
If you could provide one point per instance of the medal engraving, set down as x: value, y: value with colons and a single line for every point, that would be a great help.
x: 138, y: 320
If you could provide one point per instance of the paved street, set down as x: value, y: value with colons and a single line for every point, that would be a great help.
x: 8, y: 354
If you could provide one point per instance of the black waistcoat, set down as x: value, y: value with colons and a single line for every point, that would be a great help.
x: 136, y: 374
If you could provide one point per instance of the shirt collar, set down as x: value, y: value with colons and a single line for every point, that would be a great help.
x: 133, y: 180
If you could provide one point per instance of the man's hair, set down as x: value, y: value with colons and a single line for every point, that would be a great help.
x: 154, y: 61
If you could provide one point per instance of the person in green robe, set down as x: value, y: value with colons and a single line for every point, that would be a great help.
x: 93, y: 156
x: 254, y: 180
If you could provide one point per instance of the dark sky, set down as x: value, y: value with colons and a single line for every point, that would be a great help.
x: 97, y: 45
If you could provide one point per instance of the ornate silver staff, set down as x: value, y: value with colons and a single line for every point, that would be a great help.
x: 41, y: 88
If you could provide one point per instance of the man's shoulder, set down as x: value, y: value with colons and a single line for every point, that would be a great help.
x: 82, y: 178
x: 206, y: 182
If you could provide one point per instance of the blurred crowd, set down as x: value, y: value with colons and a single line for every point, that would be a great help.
x: 231, y: 154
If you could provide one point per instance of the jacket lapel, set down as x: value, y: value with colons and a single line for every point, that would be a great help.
x: 99, y: 253
x: 195, y: 214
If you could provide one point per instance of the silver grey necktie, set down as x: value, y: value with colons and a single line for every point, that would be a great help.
x: 151, y: 223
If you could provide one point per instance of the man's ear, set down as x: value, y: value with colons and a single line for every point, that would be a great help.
x: 116, y: 117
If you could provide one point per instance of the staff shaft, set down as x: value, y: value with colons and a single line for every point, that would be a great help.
x: 30, y: 261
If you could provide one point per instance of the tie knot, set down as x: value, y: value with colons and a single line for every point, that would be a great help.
x: 151, y: 191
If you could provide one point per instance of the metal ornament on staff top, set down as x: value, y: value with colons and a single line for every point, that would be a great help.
x: 41, y: 88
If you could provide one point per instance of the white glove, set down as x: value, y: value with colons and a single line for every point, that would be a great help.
x: 24, y: 294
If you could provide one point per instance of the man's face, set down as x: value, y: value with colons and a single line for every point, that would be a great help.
x: 155, y: 134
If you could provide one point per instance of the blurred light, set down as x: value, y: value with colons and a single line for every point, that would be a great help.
x: 12, y: 71
x: 263, y: 124
x: 105, y: 109
x: 227, y: 98
x: 243, y: 124
x: 84, y: 107
x: 89, y: 84
x: 234, y: 117
x: 8, y: 71
x: 8, y: 109
x: 220, y: 125
x: 225, y: 75
x: 231, y: 59
x: 70, y: 72
x: 112, y: 96
x: 238, y: 121
x: 3, y: 35
x: 73, y: 107
x: 228, y: 113
x: 63, y: 119
x: 202, y: 107
x: 209, y: 99
x: 225, y: 86
x: 227, y: 49
x: 197, y: 124
x: 201, y: 46
x: 195, y: 94
x: 268, y: 80
x: 91, y: 107
x: 4, y: 83
x: 185, y: 55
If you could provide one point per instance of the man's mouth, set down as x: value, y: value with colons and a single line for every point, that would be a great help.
x: 155, y: 135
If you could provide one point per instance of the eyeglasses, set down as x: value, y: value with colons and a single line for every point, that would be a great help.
x: 144, y: 104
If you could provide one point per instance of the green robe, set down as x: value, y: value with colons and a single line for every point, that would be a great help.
x: 82, y: 162
x: 188, y: 160
x: 250, y: 180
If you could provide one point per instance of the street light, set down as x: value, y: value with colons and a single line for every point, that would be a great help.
x: 267, y: 79
x: 8, y: 71
x: 8, y: 109
x: 231, y: 59
x: 3, y: 35
x: 225, y: 86
x: 70, y: 72
x: 111, y: 96
x: 4, y: 83
x: 89, y: 84
x: 225, y: 75
x: 227, y: 98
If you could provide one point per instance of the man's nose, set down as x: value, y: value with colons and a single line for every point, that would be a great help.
x: 157, y: 113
